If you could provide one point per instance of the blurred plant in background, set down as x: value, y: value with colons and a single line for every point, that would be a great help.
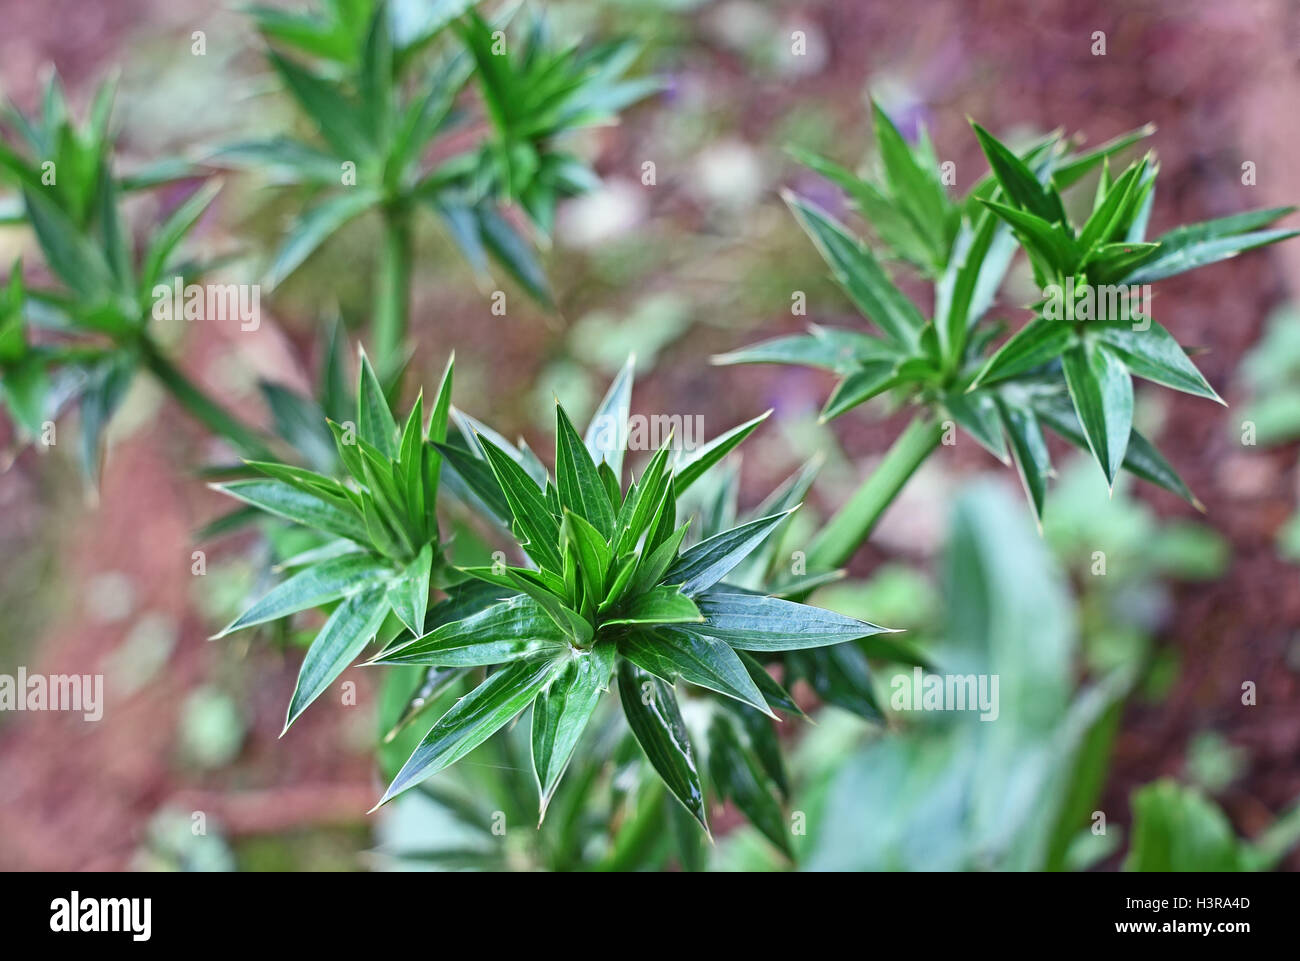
x: 1271, y: 372
x: 379, y: 110
x: 1070, y: 367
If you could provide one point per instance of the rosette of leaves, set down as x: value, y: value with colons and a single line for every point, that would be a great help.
x: 611, y: 598
x: 1073, y: 377
x: 535, y: 93
x: 382, y: 555
x: 360, y: 73
x: 97, y: 325
x: 1097, y: 347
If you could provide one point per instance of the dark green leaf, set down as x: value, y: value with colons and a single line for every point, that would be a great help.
x: 1030, y: 450
x: 711, y: 560
x: 738, y: 775
x: 298, y: 506
x: 659, y: 605
x: 656, y: 722
x: 1102, y: 392
x: 670, y: 653
x: 1195, y: 245
x: 753, y: 622
x: 580, y: 487
x: 475, y: 718
x: 1155, y: 355
x: 1038, y: 342
x: 510, y: 630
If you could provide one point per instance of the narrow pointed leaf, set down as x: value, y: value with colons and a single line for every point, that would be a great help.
x: 693, y: 464
x: 977, y: 414
x: 532, y: 516
x: 659, y: 605
x: 477, y: 476
x: 1195, y: 245
x: 711, y: 560
x: 1030, y: 451
x: 561, y: 713
x: 868, y: 381
x: 594, y: 555
x: 409, y: 595
x: 1142, y: 459
x: 346, y: 633
x: 473, y: 719
x: 1038, y: 342
x: 1018, y: 181
x: 375, y: 422
x: 340, y: 121
x: 577, y: 480
x: 1153, y: 354
x: 279, y: 498
x: 316, y: 226
x: 669, y: 653
x: 753, y: 622
x: 506, y: 631
x: 656, y: 722
x: 1102, y: 391
x: 775, y: 695
x: 804, y: 350
x: 606, y: 435
x: 738, y: 776
x: 319, y: 584
x: 858, y: 272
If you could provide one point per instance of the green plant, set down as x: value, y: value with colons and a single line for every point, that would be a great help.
x: 661, y: 586
x: 1069, y: 368
x: 1176, y: 828
x: 1271, y: 372
x: 99, y: 322
x: 380, y: 552
x: 952, y: 791
x: 360, y: 74
x: 612, y: 594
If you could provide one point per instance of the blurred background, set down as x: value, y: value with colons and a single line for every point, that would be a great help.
x: 705, y: 260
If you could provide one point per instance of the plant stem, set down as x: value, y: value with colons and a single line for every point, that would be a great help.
x: 202, y: 407
x: 852, y: 525
x: 392, y: 291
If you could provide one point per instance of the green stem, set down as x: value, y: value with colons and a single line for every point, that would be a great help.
x: 202, y: 407
x: 392, y: 291
x: 848, y: 529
